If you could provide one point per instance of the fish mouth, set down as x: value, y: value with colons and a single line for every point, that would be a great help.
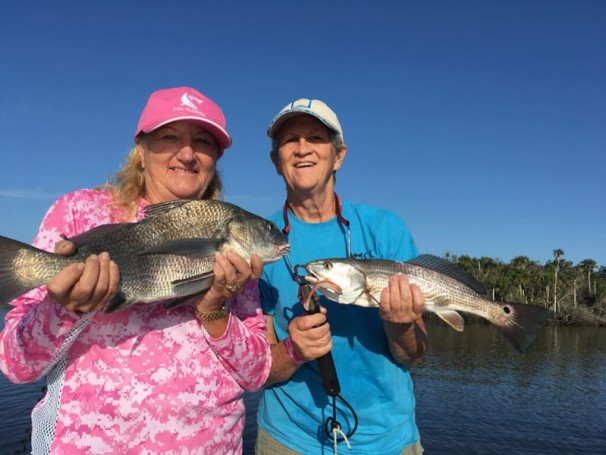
x: 324, y: 285
x: 311, y: 279
x: 281, y: 249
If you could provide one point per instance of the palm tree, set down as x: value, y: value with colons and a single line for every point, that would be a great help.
x: 588, y: 265
x: 557, y: 255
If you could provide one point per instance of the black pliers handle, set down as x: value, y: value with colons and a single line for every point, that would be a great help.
x: 330, y: 380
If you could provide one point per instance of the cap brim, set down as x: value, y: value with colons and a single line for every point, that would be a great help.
x: 277, y: 122
x: 220, y: 135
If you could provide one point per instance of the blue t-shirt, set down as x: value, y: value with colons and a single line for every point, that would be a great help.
x: 380, y: 391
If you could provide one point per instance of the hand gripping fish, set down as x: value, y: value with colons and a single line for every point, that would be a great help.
x: 167, y: 255
x: 448, y: 289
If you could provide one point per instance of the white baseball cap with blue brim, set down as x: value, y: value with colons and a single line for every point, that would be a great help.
x: 306, y: 106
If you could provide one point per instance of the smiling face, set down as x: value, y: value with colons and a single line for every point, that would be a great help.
x: 306, y: 157
x: 179, y: 161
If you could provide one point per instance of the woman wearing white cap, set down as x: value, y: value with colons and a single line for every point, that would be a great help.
x: 141, y: 380
x: 372, y: 349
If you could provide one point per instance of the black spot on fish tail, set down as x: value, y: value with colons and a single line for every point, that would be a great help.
x: 523, y: 328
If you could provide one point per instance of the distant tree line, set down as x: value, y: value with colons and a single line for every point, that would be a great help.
x: 576, y: 293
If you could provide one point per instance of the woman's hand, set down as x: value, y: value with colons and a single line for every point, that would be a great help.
x: 401, y: 302
x: 84, y: 287
x: 232, y: 272
x: 310, y: 335
x: 401, y: 307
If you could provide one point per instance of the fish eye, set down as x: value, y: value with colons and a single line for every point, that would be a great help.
x: 327, y: 265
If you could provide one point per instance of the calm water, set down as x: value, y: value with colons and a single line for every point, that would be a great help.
x: 475, y: 395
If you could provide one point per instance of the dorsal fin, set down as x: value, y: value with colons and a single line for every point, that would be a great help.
x: 157, y: 209
x: 450, y: 269
x: 97, y: 233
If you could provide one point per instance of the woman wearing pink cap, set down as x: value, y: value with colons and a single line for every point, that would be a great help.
x: 141, y: 380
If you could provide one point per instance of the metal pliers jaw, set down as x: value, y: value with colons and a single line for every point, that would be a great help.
x: 307, y: 293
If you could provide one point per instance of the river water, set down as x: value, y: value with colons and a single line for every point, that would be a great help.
x: 475, y: 395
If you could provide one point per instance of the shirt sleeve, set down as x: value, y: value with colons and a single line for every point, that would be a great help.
x: 38, y: 330
x: 243, y: 349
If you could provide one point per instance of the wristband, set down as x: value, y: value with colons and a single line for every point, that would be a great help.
x: 290, y: 351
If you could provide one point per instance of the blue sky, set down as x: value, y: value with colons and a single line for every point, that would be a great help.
x: 482, y: 123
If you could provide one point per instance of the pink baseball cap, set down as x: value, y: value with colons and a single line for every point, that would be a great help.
x: 184, y: 103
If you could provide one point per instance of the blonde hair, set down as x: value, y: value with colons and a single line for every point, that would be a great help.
x: 128, y: 185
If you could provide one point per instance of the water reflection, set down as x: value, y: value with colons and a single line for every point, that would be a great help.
x: 476, y: 394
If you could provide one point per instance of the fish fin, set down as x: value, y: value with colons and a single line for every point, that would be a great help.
x: 157, y: 209
x: 523, y: 327
x: 200, y: 248
x: 193, y: 285
x: 452, y: 318
x: 96, y: 233
x: 437, y: 264
x: 177, y: 302
x: 118, y: 302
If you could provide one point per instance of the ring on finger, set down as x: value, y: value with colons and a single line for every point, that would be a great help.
x: 233, y: 288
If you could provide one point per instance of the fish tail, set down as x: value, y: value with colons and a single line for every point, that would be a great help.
x: 22, y: 268
x: 523, y: 326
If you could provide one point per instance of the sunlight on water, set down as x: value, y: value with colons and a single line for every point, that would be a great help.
x: 475, y: 395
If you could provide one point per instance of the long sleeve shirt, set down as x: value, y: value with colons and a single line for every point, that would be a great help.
x: 143, y: 380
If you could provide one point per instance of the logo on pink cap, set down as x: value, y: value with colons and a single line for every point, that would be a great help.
x: 191, y: 101
x: 184, y: 103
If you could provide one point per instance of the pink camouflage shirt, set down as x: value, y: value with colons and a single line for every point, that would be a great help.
x: 139, y: 381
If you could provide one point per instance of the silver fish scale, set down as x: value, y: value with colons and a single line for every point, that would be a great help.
x: 447, y: 289
x: 150, y: 268
x: 444, y: 292
x: 194, y: 219
x: 441, y: 291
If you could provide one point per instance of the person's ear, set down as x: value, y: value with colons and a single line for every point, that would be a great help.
x: 276, y: 160
x: 340, y: 158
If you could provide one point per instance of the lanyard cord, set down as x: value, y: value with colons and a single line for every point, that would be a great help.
x: 331, y: 426
x: 343, y: 224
